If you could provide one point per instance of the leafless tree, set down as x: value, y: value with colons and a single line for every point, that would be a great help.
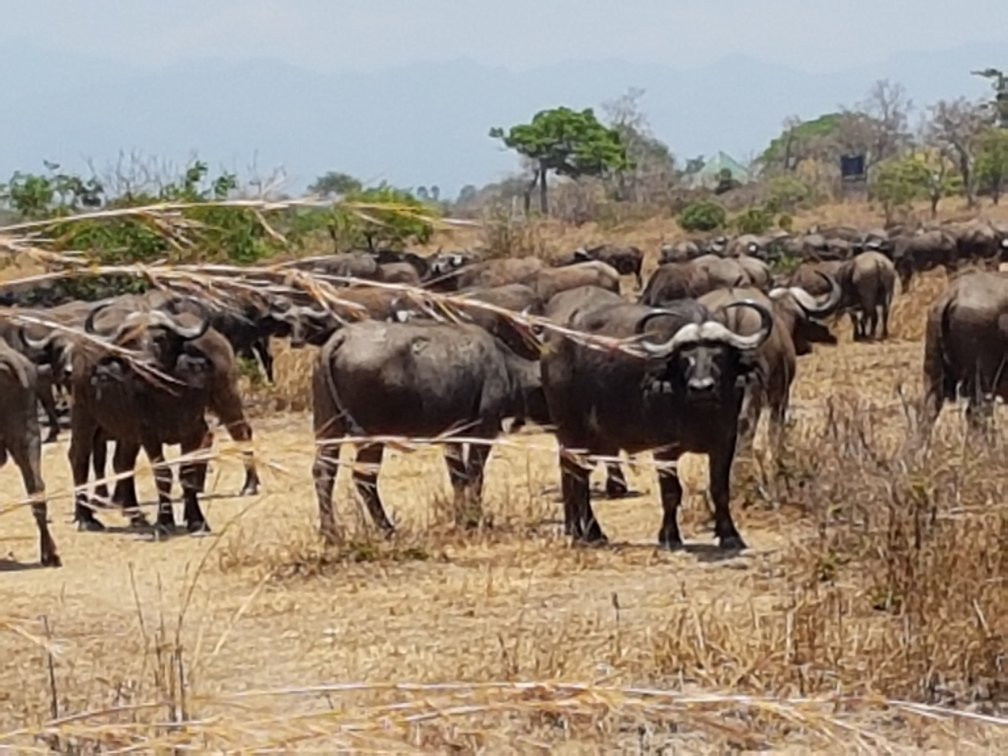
x: 877, y: 126
x: 653, y: 173
x: 953, y: 127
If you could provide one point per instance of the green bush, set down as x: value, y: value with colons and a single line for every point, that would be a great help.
x: 702, y: 215
x: 786, y: 193
x: 754, y: 220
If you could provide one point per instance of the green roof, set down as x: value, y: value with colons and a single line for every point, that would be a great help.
x: 709, y: 175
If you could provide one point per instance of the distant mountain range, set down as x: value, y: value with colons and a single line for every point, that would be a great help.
x: 422, y: 124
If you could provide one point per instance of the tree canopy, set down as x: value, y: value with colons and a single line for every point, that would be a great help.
x: 568, y: 142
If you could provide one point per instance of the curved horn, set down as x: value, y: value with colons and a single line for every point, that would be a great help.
x: 714, y: 331
x: 40, y: 345
x: 687, y: 334
x: 89, y: 322
x: 813, y: 307
x: 159, y: 318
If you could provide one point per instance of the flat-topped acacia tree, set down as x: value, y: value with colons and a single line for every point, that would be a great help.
x: 568, y: 142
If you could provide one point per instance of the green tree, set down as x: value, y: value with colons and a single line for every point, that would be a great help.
x: 992, y: 161
x: 569, y: 143
x: 928, y: 174
x: 387, y: 217
x: 335, y: 183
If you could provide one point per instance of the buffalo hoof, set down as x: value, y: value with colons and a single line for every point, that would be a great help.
x: 138, y: 522
x: 595, y: 538
x: 671, y: 544
x: 198, y: 527
x: 51, y: 560
x: 732, y: 543
x: 52, y: 438
x: 89, y: 525
x: 249, y: 489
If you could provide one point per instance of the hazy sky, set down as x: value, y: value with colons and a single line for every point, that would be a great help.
x: 811, y: 35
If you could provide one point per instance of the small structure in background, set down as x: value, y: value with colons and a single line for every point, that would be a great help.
x: 718, y: 173
x: 853, y: 176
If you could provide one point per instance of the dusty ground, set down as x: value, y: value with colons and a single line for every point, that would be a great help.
x: 260, y: 607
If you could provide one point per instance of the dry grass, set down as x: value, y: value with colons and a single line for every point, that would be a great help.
x: 870, y: 613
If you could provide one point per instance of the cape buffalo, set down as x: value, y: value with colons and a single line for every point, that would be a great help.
x: 916, y: 253
x: 966, y: 345
x: 625, y: 260
x: 414, y: 379
x: 489, y: 273
x: 548, y: 282
x: 112, y: 401
x: 20, y: 439
x: 869, y: 281
x: 685, y: 396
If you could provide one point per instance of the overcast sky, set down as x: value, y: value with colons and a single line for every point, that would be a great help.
x: 332, y: 35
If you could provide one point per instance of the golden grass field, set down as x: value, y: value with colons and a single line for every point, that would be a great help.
x: 870, y: 612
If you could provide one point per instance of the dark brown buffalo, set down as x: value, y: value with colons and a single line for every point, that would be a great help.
x: 399, y: 273
x: 414, y: 379
x: 796, y: 328
x: 918, y: 252
x: 978, y: 242
x: 548, y: 282
x: 625, y: 260
x: 489, y: 273
x: 966, y: 346
x: 45, y: 349
x: 815, y: 277
x: 342, y: 265
x: 673, y: 281
x: 20, y: 439
x: 681, y: 251
x: 677, y: 280
x: 112, y: 402
x: 869, y: 281
x: 682, y: 395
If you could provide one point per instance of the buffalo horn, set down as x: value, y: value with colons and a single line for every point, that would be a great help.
x: 31, y: 343
x: 813, y: 308
x: 158, y: 318
x: 89, y: 322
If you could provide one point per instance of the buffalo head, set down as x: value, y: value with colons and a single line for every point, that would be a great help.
x: 703, y: 362
x: 806, y: 329
x: 154, y: 330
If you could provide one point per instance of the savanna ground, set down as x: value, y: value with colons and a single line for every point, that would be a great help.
x: 870, y: 611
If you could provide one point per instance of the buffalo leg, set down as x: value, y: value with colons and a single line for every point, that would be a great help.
x: 48, y: 401
x: 671, y: 497
x: 261, y: 349
x: 233, y: 418
x: 580, y: 517
x: 459, y: 477
x: 27, y: 455
x: 324, y: 474
x: 365, y: 477
x: 124, y: 461
x: 192, y: 475
x: 99, y: 463
x: 885, y: 316
x: 720, y: 491
x: 163, y: 478
x: 83, y: 437
x: 473, y: 490
x: 615, y: 485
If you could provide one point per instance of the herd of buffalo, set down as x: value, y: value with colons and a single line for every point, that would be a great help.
x: 460, y: 347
